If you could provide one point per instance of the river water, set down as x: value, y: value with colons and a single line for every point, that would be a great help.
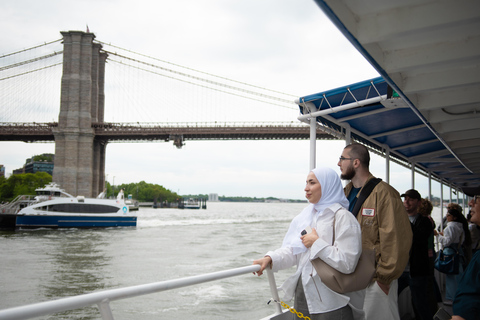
x: 40, y: 265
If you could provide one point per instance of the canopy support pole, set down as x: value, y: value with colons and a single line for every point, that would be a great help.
x: 348, y: 134
x: 313, y: 142
x: 430, y: 185
x: 441, y: 203
x: 387, y: 165
x: 413, y: 175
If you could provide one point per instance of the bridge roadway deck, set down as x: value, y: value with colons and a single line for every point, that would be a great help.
x: 121, y: 132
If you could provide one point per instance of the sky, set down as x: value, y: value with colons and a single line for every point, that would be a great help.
x: 289, y: 46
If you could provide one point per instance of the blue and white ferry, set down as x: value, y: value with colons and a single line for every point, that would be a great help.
x: 55, y: 208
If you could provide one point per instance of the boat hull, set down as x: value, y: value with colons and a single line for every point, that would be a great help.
x: 51, y: 221
x: 7, y: 221
x: 191, y: 207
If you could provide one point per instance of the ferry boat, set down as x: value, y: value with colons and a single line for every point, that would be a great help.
x: 54, y: 208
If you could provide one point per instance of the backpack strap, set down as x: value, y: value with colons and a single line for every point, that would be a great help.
x: 366, y: 190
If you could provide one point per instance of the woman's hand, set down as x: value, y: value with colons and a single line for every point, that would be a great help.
x: 264, y: 262
x: 437, y: 233
x: 309, y: 238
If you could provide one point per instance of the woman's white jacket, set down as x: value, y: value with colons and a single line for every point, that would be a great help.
x: 453, y: 233
x: 343, y: 255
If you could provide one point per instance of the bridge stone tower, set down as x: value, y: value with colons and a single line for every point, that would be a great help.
x: 79, y: 157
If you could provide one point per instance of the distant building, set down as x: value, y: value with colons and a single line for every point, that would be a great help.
x: 19, y: 170
x: 40, y: 163
x: 2, y: 170
x: 213, y: 197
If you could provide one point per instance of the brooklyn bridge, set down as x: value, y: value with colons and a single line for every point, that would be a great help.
x: 82, y: 132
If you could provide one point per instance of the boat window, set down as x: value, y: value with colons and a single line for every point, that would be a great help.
x: 82, y: 208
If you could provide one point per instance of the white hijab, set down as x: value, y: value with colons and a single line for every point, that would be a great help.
x: 332, y: 193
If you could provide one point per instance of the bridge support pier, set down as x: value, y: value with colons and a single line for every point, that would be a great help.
x: 79, y: 157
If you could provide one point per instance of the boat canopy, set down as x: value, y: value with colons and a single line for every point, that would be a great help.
x: 424, y: 110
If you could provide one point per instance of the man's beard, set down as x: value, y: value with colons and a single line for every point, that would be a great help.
x: 349, y: 174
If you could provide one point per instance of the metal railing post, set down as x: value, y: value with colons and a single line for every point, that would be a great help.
x: 105, y: 310
x: 273, y: 290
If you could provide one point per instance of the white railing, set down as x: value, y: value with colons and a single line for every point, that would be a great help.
x: 103, y: 298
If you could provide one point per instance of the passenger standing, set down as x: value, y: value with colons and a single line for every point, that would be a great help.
x: 466, y: 305
x: 312, y: 297
x: 467, y: 243
x: 474, y: 233
x: 425, y: 210
x: 385, y: 228
x: 452, y: 237
x: 418, y: 275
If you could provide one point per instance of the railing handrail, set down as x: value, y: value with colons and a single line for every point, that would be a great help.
x: 12, y: 206
x: 103, y: 298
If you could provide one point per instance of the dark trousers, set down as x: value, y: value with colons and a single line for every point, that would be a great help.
x: 422, y: 290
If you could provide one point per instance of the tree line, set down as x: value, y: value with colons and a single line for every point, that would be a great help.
x: 26, y: 183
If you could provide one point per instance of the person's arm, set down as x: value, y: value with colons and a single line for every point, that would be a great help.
x: 446, y: 238
x: 279, y: 259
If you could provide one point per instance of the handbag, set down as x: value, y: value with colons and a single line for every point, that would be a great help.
x: 342, y: 282
x: 448, y: 261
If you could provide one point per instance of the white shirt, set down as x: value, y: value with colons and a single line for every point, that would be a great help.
x: 343, y: 256
x: 453, y: 233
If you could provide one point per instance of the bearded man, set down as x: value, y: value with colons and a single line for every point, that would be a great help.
x: 385, y: 228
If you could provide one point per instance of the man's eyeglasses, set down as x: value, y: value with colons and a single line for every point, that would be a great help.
x: 342, y: 158
x: 476, y: 197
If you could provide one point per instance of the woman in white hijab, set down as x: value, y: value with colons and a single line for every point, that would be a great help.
x: 327, y: 200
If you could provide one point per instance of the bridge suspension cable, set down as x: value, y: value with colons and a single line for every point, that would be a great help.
x: 195, y: 70
x: 35, y: 47
x: 30, y: 61
x: 31, y: 71
x: 208, y: 81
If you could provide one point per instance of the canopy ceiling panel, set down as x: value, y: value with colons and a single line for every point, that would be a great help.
x: 428, y: 52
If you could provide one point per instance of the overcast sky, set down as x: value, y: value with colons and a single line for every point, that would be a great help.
x: 287, y: 45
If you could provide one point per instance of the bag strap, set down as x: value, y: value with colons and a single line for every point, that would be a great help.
x: 333, y: 237
x: 334, y: 217
x: 366, y: 190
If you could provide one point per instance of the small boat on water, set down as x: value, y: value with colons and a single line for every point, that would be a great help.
x: 191, y: 204
x: 52, y: 207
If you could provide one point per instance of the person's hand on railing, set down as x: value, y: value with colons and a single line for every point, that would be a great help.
x: 263, y: 262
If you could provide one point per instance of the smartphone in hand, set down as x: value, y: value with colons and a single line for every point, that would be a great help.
x: 306, y: 231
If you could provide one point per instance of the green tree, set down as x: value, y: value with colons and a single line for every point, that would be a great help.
x: 22, y: 184
x: 147, y: 192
